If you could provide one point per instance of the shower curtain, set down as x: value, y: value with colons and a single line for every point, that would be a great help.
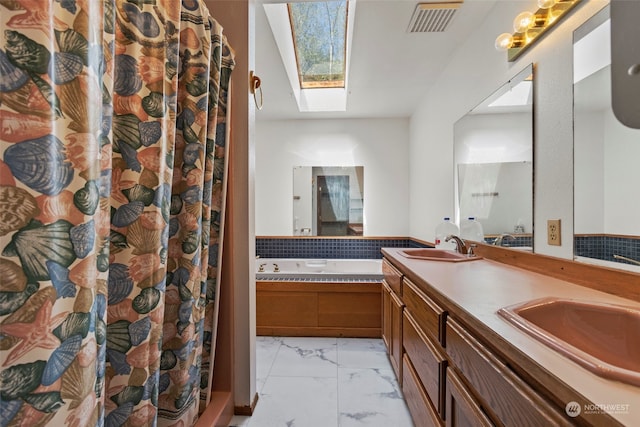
x: 112, y: 176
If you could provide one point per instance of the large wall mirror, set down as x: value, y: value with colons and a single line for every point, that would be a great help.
x: 328, y: 200
x: 606, y: 156
x: 493, y: 152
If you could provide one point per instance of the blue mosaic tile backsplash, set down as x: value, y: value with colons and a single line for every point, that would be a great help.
x: 282, y: 247
x: 604, y: 247
x: 600, y: 246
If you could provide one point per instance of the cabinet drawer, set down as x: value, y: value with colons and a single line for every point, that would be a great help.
x: 422, y: 412
x: 392, y: 276
x: 501, y: 393
x: 428, y: 315
x: 428, y: 361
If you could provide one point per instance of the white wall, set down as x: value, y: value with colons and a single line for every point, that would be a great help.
x: 303, y: 206
x: 475, y: 71
x: 589, y: 173
x: 380, y: 145
x: 504, y: 142
x: 498, y: 195
x: 606, y: 156
x: 492, y: 138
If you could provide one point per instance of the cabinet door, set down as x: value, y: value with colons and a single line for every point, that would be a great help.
x: 386, y: 316
x: 420, y: 407
x: 462, y: 409
x: 392, y: 308
x: 396, y: 335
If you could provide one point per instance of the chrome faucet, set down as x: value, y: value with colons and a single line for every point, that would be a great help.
x: 461, y: 246
x: 500, y: 239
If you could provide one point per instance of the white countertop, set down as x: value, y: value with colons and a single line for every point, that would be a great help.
x: 481, y: 287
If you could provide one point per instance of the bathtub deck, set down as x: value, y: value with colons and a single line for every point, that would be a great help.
x: 322, y: 309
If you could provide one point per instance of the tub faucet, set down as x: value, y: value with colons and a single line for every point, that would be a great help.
x: 461, y: 246
x: 276, y: 268
x: 261, y: 268
x: 624, y: 258
x: 500, y: 239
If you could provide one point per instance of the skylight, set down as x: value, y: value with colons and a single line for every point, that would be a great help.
x: 319, y: 36
x: 314, y: 39
x: 516, y: 96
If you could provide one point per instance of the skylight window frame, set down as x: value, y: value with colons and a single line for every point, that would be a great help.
x: 327, y: 84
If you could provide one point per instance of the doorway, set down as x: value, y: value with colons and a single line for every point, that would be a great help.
x: 333, y: 205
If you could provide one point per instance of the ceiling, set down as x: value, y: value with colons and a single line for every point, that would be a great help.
x: 391, y: 69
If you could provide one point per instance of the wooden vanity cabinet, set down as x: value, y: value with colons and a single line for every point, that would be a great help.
x: 502, y: 395
x: 422, y: 336
x: 448, y: 375
x: 392, y: 308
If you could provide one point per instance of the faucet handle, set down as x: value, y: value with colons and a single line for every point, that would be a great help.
x: 471, y: 252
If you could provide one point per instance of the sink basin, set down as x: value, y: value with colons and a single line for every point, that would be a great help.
x: 433, y: 254
x: 603, y: 338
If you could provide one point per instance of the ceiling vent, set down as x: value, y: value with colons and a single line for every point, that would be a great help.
x: 433, y: 17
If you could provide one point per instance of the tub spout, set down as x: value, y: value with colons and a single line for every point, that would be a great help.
x: 501, y: 238
x: 624, y: 258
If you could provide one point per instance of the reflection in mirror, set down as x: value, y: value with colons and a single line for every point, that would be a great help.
x: 328, y: 201
x: 493, y: 152
x: 606, y: 202
x: 625, y: 68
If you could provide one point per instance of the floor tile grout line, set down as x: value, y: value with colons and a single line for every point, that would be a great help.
x: 338, y: 382
x: 279, y: 340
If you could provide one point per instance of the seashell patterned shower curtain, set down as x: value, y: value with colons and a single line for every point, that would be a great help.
x: 112, y: 169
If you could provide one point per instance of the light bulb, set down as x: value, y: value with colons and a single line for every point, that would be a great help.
x: 504, y: 41
x: 523, y: 22
x: 546, y: 4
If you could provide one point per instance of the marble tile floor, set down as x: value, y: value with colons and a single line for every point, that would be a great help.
x: 325, y: 382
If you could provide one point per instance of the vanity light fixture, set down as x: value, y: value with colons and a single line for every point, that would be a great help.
x: 529, y: 26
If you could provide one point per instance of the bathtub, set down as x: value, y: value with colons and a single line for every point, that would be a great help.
x: 319, y: 297
x: 321, y: 270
